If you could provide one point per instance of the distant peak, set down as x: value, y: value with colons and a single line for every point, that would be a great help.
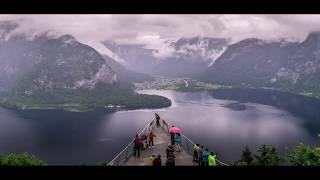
x: 313, y: 36
x: 251, y: 41
x: 314, y: 33
x: 67, y: 37
x: 8, y: 25
x: 109, y: 42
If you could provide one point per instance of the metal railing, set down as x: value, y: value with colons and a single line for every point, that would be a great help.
x: 186, y: 143
x: 123, y: 156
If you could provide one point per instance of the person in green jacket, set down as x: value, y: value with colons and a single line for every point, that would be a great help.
x: 212, y: 159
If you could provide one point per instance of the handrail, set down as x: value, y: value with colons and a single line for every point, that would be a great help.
x: 225, y: 164
x: 150, y: 124
x: 143, y: 130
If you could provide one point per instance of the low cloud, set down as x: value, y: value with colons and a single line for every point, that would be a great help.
x: 154, y: 30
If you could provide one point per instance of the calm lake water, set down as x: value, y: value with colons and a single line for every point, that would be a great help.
x: 225, y: 121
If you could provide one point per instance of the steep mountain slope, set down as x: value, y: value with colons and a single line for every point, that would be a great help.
x: 290, y: 66
x: 15, y: 55
x: 60, y: 72
x: 303, y: 69
x: 250, y: 61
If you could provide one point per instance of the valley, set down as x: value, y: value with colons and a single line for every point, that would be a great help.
x: 76, y: 89
x: 178, y: 84
x: 190, y: 85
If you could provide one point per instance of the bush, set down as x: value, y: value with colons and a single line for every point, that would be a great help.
x: 20, y: 160
x: 104, y: 163
x: 304, y: 155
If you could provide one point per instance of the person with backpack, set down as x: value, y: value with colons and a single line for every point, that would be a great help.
x: 205, y: 156
x: 195, y: 152
x: 172, y: 135
x: 137, y: 145
x: 170, y: 160
x: 177, y: 140
x: 144, y: 139
x: 169, y: 150
x: 157, y: 161
x: 157, y: 119
x: 212, y: 159
x: 151, y: 136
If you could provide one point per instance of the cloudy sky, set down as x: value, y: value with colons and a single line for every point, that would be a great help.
x: 153, y: 30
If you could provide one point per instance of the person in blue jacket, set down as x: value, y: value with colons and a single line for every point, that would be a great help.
x: 205, y: 156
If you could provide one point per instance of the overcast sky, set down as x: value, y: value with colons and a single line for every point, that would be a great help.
x: 153, y: 30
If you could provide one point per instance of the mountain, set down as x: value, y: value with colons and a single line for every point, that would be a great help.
x: 15, y: 55
x: 49, y: 71
x: 250, y: 61
x: 281, y: 64
x: 134, y: 57
x: 189, y: 56
x: 303, y: 69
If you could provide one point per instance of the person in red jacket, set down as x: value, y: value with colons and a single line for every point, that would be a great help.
x: 151, y: 135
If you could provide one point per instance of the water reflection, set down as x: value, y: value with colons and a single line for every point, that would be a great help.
x: 227, y: 125
x: 225, y: 121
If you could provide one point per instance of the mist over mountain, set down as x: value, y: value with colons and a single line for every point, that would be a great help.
x: 54, y: 70
x: 259, y: 63
x: 189, y: 56
x: 59, y: 68
x: 250, y: 61
x: 123, y: 74
x: 226, y: 81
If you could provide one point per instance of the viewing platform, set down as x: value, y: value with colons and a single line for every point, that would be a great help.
x: 161, y: 141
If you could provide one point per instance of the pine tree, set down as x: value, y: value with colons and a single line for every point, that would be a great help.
x: 246, y: 158
x: 268, y: 156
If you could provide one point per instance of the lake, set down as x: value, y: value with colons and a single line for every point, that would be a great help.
x: 223, y: 120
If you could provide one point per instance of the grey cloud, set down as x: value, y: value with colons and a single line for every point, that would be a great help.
x: 146, y: 29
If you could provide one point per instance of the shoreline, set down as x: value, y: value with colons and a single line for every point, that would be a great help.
x: 75, y: 110
x: 82, y: 108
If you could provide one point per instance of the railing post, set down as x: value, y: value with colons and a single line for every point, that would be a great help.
x: 187, y: 147
x: 127, y: 153
x: 118, y: 160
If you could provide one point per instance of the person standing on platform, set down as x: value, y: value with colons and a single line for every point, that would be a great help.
x: 177, y: 140
x: 157, y: 119
x: 137, y: 145
x: 151, y: 136
x: 205, y: 156
x: 212, y: 159
x: 200, y: 151
x: 195, y: 152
